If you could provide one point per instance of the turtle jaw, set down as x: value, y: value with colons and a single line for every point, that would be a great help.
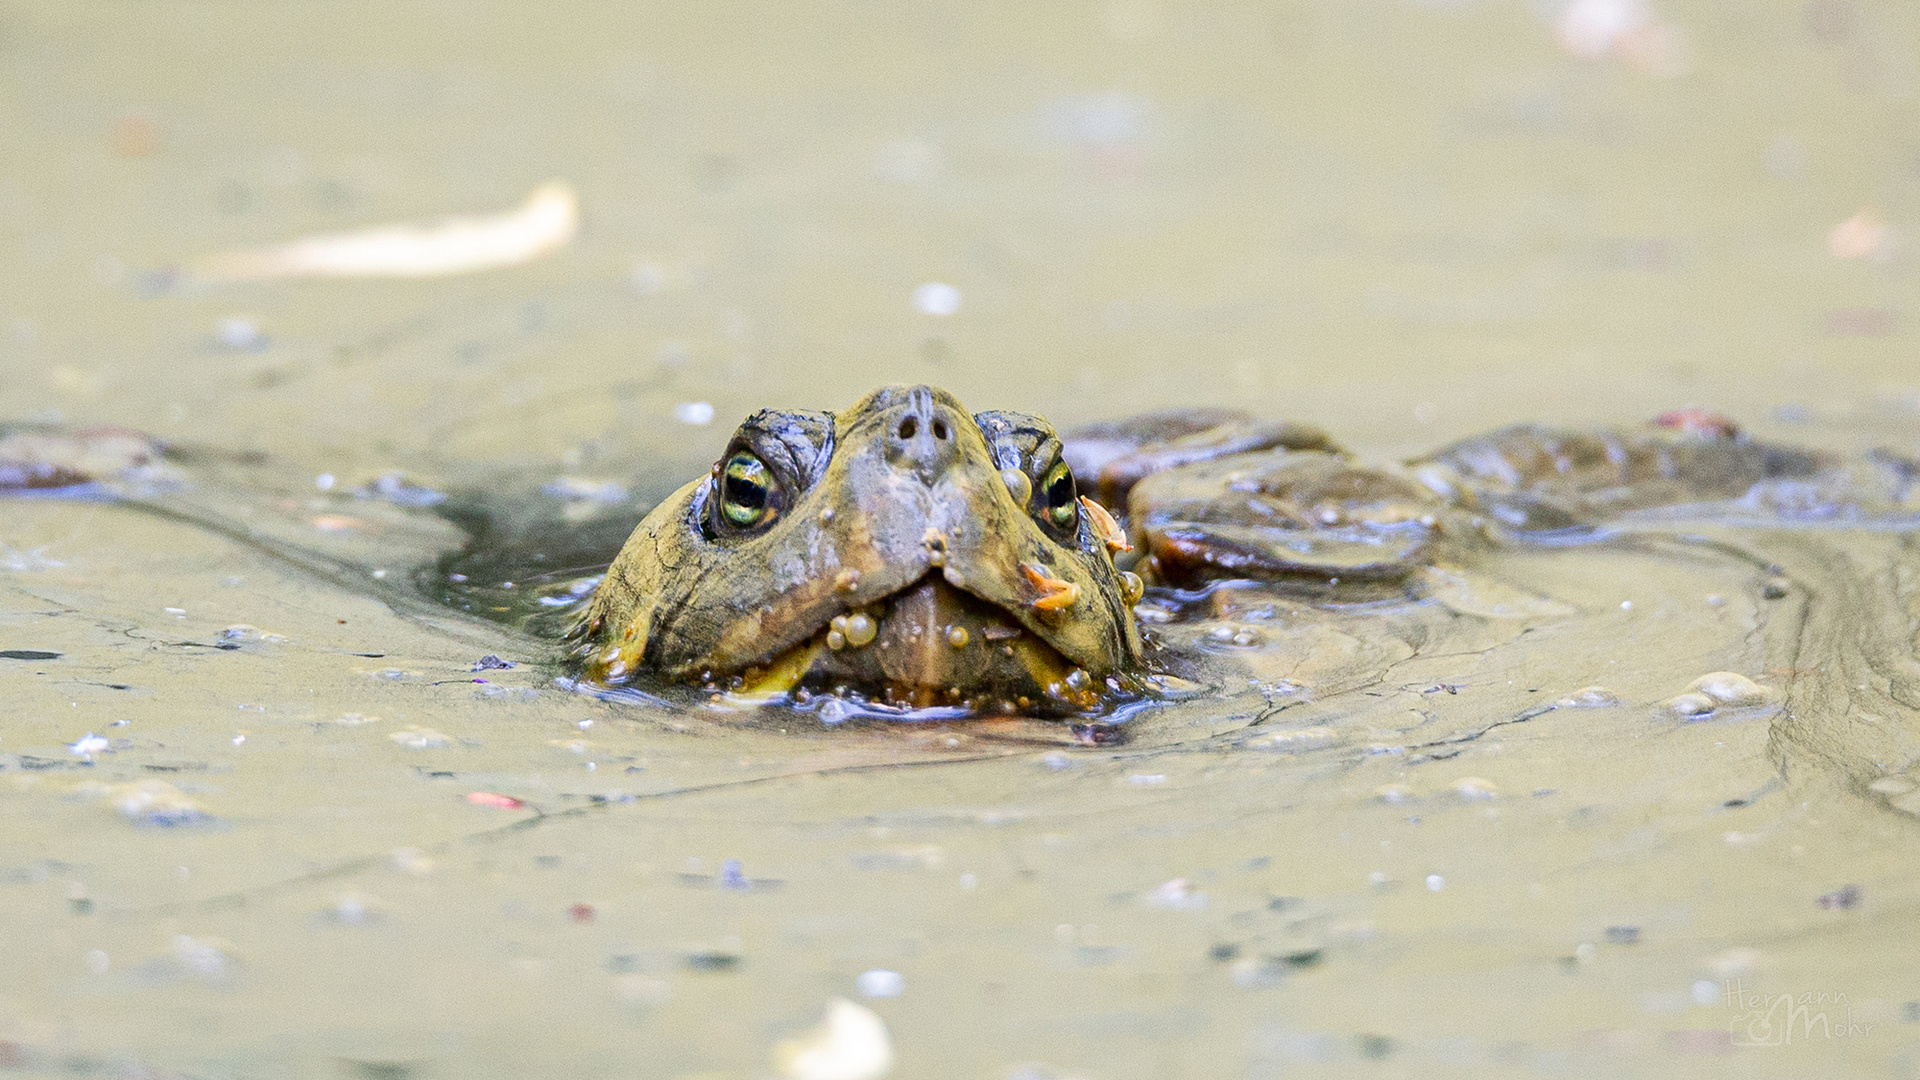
x: 931, y: 645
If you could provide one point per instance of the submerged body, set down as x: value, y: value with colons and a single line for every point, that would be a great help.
x: 905, y: 554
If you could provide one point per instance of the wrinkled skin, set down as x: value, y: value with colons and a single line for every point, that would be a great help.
x: 903, y: 510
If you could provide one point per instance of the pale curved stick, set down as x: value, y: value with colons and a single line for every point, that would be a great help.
x: 546, y: 222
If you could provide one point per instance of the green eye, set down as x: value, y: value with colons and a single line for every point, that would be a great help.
x: 746, y: 488
x: 1063, y: 507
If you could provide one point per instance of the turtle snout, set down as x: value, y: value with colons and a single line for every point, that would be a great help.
x: 922, y: 435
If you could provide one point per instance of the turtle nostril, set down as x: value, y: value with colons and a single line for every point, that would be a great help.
x: 940, y: 430
x: 908, y: 427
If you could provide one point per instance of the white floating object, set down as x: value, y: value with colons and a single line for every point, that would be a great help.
x: 240, y: 332
x: 696, y: 413
x: 89, y: 744
x: 880, y: 983
x: 1435, y: 883
x: 546, y: 222
x: 851, y: 1043
x: 936, y: 298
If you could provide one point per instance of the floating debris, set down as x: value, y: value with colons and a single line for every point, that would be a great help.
x: 1845, y: 898
x: 490, y: 662
x: 936, y: 298
x: 241, y: 334
x: 546, y: 222
x: 851, y: 1043
x: 1623, y: 935
x: 713, y: 961
x: 203, y: 957
x: 1863, y: 236
x: 694, y: 413
x: 1474, y: 789
x: 393, y: 487
x: 420, y: 739
x: 495, y: 800
x: 1627, y: 30
x: 1177, y: 895
x: 90, y: 744
x: 1737, y: 961
x: 36, y: 460
x: 242, y: 633
x: 153, y: 802
x: 880, y: 983
x: 731, y: 876
x: 351, y: 910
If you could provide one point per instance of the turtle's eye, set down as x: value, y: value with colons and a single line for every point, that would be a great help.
x: 1062, y: 498
x: 746, y: 490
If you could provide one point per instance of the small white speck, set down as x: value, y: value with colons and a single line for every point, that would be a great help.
x: 585, y: 724
x: 89, y: 744
x: 324, y: 481
x: 880, y: 983
x: 936, y: 298
x: 1626, y: 605
x: 1425, y: 413
x: 1377, y: 878
x: 592, y: 766
x: 97, y: 962
x: 1147, y: 779
x: 969, y: 882
x: 1706, y: 992
x: 239, y: 332
x: 238, y: 739
x: 696, y: 413
x: 1435, y: 883
x: 176, y: 610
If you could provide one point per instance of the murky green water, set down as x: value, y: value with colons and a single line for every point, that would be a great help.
x: 1403, y: 221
